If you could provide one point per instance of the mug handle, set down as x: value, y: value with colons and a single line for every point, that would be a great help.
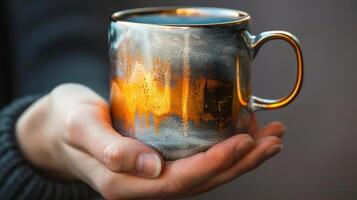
x: 254, y: 43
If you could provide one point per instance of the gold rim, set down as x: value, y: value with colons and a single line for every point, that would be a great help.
x: 243, y: 17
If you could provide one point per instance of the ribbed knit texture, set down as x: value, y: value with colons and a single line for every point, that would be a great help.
x: 18, y: 179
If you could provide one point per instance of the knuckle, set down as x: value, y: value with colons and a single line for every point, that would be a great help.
x: 75, y: 122
x: 65, y: 87
x: 112, y: 157
x: 60, y: 90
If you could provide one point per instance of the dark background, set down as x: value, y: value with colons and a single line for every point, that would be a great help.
x: 319, y: 160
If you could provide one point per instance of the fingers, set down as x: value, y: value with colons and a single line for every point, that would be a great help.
x: 265, y: 148
x: 272, y: 129
x: 184, y: 174
x: 88, y: 128
x: 194, y: 174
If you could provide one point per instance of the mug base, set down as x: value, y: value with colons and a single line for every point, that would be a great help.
x: 173, y: 144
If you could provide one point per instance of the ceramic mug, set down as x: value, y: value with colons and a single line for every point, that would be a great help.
x: 180, y: 76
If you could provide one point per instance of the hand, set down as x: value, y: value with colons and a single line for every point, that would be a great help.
x: 68, y: 133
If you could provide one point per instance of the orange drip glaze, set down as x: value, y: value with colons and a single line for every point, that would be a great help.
x: 154, y: 92
x: 185, y: 85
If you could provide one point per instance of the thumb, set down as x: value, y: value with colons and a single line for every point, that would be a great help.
x: 95, y: 135
x: 129, y: 155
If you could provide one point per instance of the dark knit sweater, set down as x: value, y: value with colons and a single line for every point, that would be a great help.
x: 46, y: 43
x: 18, y: 179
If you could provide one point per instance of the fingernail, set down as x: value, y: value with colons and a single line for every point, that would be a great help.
x: 272, y: 151
x: 284, y: 128
x: 148, y: 164
x: 243, y: 147
x: 281, y: 130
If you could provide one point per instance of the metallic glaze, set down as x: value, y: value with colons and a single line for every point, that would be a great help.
x: 254, y: 43
x: 180, y: 88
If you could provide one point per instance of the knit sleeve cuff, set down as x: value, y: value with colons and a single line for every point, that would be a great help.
x: 18, y: 179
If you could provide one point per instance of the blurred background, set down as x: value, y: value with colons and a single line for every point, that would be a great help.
x: 319, y: 160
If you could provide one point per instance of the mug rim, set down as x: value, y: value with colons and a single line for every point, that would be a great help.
x: 242, y: 17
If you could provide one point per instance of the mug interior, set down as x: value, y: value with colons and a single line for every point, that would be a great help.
x: 181, y: 16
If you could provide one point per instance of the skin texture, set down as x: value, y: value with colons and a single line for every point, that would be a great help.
x: 68, y: 134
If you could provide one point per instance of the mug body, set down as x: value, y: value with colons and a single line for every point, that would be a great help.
x: 179, y: 88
